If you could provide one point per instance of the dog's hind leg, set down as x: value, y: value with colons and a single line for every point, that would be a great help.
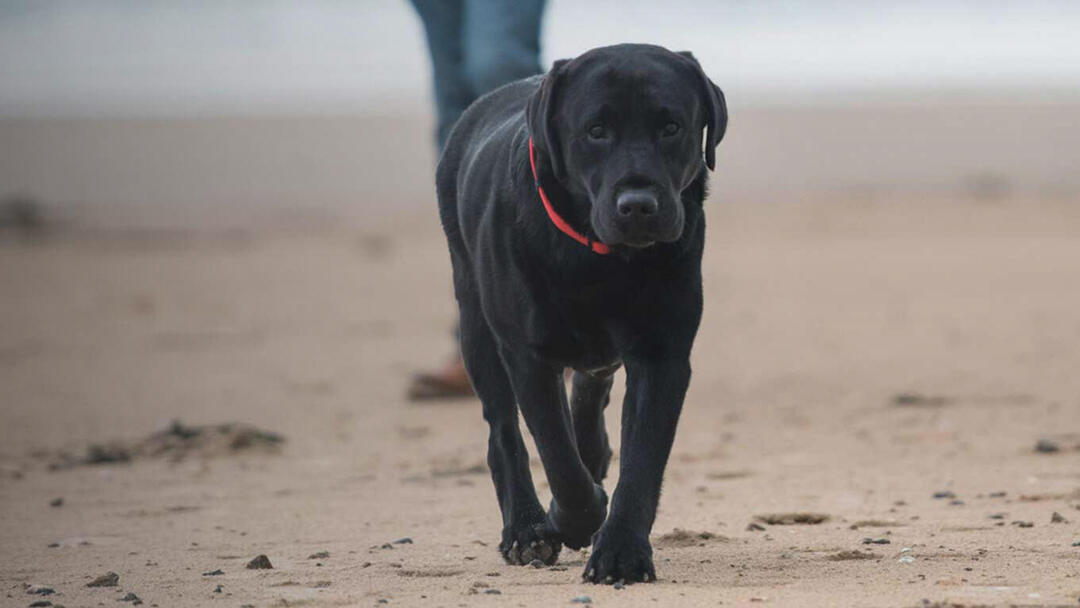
x: 526, y: 534
x: 578, y: 504
x: 587, y: 403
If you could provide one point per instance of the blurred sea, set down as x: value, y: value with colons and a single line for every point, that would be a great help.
x: 214, y: 57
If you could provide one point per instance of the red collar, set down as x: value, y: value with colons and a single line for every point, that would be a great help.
x: 556, y: 219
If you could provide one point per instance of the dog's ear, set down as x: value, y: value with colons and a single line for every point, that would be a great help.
x: 538, y: 115
x: 716, y: 120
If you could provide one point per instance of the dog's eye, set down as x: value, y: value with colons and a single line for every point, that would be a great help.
x: 670, y: 129
x: 597, y: 132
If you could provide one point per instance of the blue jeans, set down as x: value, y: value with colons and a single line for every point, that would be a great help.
x: 476, y: 46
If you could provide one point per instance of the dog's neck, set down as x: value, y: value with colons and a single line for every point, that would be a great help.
x: 556, y: 219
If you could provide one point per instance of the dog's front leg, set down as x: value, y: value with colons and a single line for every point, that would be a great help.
x: 578, y: 504
x: 526, y: 533
x: 654, y: 397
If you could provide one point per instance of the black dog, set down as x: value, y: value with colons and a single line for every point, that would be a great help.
x: 572, y: 203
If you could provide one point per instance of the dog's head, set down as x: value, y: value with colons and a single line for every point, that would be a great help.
x: 621, y: 128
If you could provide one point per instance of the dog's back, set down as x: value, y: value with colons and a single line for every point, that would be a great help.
x: 479, y: 154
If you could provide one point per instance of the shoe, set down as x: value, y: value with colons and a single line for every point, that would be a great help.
x: 450, y: 382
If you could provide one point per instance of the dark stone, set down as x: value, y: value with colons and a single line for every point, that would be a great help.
x: 109, y: 579
x: 260, y: 562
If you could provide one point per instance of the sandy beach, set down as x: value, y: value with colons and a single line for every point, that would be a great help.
x: 881, y: 355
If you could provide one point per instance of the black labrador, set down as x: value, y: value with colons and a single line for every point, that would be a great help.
x: 572, y: 204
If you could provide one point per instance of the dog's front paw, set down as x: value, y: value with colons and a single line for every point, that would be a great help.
x: 576, y: 527
x: 620, y: 556
x: 525, y: 543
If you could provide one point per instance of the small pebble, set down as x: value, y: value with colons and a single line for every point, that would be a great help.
x: 956, y: 502
x: 918, y: 399
x: 261, y: 562
x: 217, y: 572
x: 1024, y: 524
x: 217, y: 589
x: 618, y: 585
x: 536, y: 564
x: 997, y: 516
x: 581, y: 599
x: 57, y: 502
x: 131, y: 597
x: 755, y: 527
x: 876, y: 541
x: 906, y: 559
x: 40, y: 590
x: 1045, y: 446
x: 944, y: 494
x: 403, y: 541
x: 492, y: 592
x: 40, y: 604
x: 1057, y: 518
x: 319, y: 555
x: 109, y: 579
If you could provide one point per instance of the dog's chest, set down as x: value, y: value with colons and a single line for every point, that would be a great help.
x: 577, y: 332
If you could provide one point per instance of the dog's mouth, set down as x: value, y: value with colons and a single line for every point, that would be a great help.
x: 634, y: 239
x: 639, y: 243
x: 641, y: 238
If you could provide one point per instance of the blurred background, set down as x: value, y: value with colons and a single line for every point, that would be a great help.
x: 324, y: 107
x: 222, y: 213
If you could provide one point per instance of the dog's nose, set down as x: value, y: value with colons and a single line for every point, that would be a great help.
x: 636, y: 203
